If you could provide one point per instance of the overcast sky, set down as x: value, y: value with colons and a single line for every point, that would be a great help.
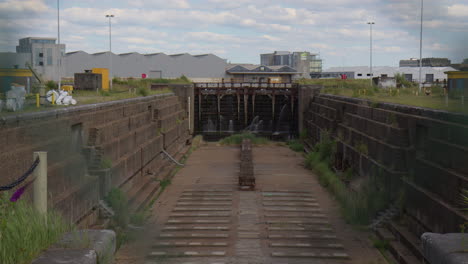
x: 239, y: 30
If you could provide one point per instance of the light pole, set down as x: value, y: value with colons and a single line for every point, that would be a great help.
x: 370, y: 24
x: 110, y: 50
x: 60, y: 49
x: 420, y: 48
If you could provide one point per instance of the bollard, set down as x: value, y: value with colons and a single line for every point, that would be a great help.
x: 40, y: 183
x: 53, y: 98
x: 37, y: 101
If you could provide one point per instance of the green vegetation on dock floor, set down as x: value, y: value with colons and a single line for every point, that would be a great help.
x: 236, y: 139
x: 407, y: 95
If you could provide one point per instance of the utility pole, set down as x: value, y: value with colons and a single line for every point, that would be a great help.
x: 60, y: 49
x: 110, y: 50
x: 371, y: 73
x: 420, y: 48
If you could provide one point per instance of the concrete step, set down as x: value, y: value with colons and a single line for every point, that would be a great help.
x: 303, y: 236
x: 190, y: 244
x: 337, y: 255
x: 402, y: 254
x: 165, y: 254
x: 193, y: 235
x: 407, y: 239
x: 197, y: 221
x: 307, y: 245
x: 143, y: 196
x: 289, y: 215
x: 195, y: 228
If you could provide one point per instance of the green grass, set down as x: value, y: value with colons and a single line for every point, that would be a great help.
x: 464, y: 196
x: 236, y: 139
x: 121, y: 90
x: 118, y: 93
x: 295, y: 145
x: 24, y: 233
x: 408, y: 95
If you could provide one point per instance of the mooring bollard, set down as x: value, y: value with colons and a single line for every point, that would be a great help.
x: 40, y: 183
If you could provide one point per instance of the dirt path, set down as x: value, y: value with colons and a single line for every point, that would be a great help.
x: 290, y: 218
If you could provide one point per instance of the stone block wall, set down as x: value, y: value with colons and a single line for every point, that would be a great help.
x: 127, y: 136
x: 421, y: 151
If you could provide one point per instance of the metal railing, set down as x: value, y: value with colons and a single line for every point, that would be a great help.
x: 245, y: 85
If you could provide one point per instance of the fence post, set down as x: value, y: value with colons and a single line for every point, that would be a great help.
x: 40, y: 183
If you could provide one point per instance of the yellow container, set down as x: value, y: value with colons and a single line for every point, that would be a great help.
x: 67, y: 88
x: 105, y: 77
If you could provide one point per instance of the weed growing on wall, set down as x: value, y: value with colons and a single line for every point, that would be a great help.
x: 358, y: 207
x: 24, y: 233
x: 118, y: 200
x: 106, y: 163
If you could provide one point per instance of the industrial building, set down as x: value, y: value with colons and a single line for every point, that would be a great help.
x: 304, y: 63
x: 43, y: 54
x: 158, y: 65
x: 244, y: 73
x: 426, y: 62
x: 428, y: 74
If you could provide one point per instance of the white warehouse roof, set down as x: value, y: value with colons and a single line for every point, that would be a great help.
x: 360, y: 72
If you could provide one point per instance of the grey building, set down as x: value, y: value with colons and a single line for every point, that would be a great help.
x: 157, y: 65
x: 43, y: 54
x: 303, y: 62
x: 426, y: 62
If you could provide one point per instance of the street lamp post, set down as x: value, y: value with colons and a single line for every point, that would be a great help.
x: 110, y: 50
x: 420, y: 48
x: 371, y: 73
x: 60, y: 49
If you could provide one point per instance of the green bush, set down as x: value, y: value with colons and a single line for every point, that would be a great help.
x: 104, y: 93
x: 236, y: 139
x: 51, y: 85
x: 184, y: 78
x: 465, y: 199
x: 296, y: 145
x: 117, y: 199
x: 143, y: 91
x: 24, y: 233
x: 326, y: 147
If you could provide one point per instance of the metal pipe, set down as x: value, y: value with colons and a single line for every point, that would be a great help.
x: 110, y: 50
x: 171, y: 158
x: 371, y: 74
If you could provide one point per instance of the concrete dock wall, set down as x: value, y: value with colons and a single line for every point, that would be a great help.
x: 93, y: 148
x: 421, y: 151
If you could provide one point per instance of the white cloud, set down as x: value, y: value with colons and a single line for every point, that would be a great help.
x: 21, y: 6
x: 458, y: 10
